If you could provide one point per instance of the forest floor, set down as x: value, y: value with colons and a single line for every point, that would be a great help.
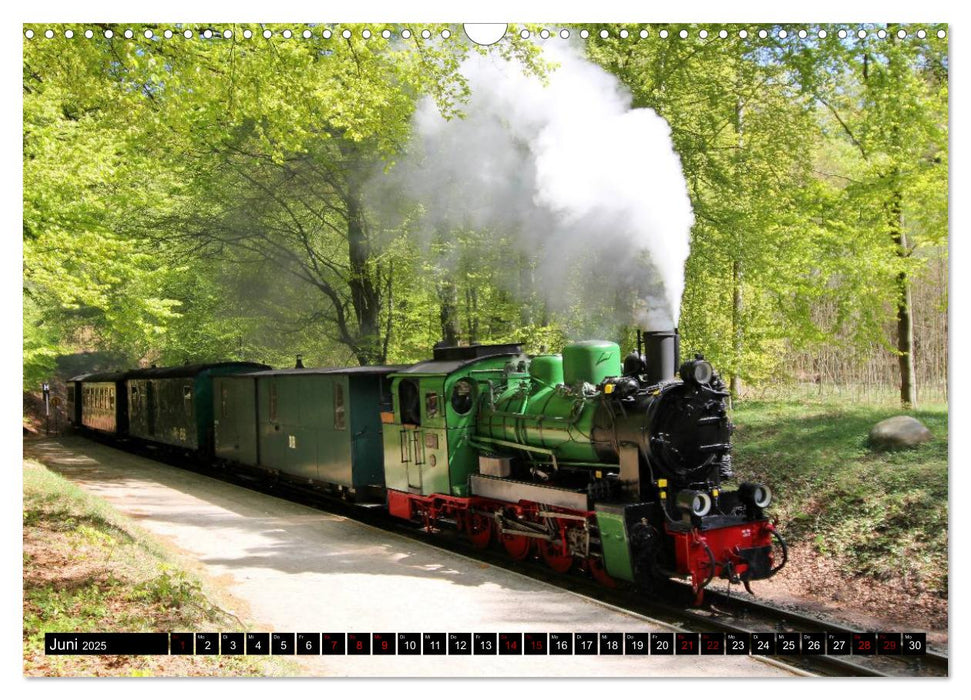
x: 868, y: 531
x: 89, y: 569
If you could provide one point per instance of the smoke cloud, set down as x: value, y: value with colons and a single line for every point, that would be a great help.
x: 580, y: 181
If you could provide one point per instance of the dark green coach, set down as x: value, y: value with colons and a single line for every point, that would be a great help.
x: 172, y: 406
x: 317, y: 426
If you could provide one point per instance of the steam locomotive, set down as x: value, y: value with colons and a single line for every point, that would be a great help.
x: 586, y: 461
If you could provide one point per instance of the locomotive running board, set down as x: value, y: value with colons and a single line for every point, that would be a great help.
x: 515, y: 491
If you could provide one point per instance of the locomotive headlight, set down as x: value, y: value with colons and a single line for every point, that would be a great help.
x: 702, y: 372
x: 697, y: 371
x: 694, y: 502
x: 757, y: 494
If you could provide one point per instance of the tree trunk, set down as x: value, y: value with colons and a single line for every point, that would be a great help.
x: 905, y: 344
x: 448, y: 311
x: 905, y: 319
x: 526, y: 293
x: 472, y: 306
x: 365, y: 294
x: 735, y: 386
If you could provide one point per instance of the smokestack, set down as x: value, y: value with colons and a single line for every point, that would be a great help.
x: 299, y: 364
x: 663, y: 351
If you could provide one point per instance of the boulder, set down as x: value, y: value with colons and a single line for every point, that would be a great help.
x: 898, y: 433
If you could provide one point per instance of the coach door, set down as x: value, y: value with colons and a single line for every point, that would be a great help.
x: 151, y: 402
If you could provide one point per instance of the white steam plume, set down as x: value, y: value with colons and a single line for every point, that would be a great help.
x: 589, y: 186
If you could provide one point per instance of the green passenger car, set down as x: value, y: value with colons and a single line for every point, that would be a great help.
x: 173, y: 405
x: 320, y: 426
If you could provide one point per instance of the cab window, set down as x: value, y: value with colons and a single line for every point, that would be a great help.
x: 409, y: 402
x: 431, y: 404
x: 463, y: 396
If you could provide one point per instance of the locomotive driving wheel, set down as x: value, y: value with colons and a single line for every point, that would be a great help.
x: 517, y: 546
x: 554, y: 557
x: 479, y: 530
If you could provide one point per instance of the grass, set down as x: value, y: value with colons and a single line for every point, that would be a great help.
x: 87, y: 568
x: 879, y: 514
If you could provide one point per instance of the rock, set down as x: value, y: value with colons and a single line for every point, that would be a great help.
x: 898, y: 433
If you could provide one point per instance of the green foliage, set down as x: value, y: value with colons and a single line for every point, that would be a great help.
x: 200, y: 155
x: 85, y: 281
x: 169, y: 589
x: 203, y: 198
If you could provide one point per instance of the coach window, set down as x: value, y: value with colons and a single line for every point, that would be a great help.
x: 273, y: 402
x: 387, y: 398
x: 223, y: 401
x: 339, y: 419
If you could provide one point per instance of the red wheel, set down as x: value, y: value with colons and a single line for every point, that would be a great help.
x: 517, y: 546
x: 479, y: 530
x: 600, y: 574
x: 554, y: 557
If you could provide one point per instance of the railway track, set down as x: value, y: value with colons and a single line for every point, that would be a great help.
x: 722, y: 613
x: 749, y: 612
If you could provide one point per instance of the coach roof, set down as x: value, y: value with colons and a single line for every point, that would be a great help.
x: 190, y: 370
